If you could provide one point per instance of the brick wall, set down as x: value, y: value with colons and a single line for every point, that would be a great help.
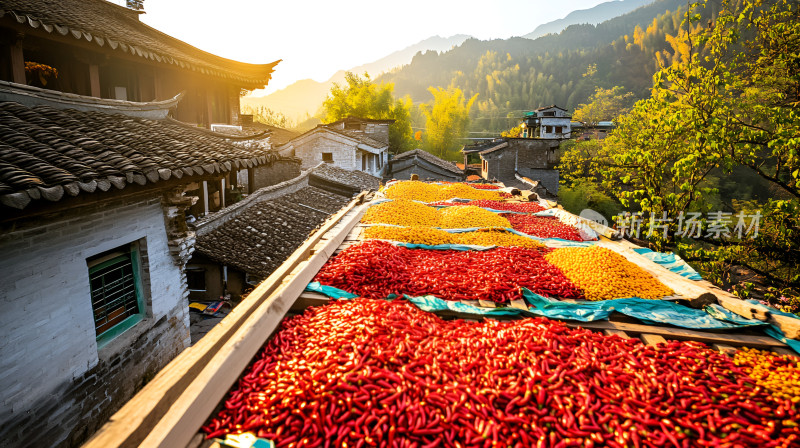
x: 58, y: 387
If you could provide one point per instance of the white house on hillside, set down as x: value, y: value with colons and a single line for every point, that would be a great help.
x: 353, y: 144
x: 547, y: 122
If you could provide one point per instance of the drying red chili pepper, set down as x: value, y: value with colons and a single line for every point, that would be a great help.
x: 375, y: 269
x: 485, y: 186
x: 524, y: 207
x: 379, y: 373
x: 543, y: 227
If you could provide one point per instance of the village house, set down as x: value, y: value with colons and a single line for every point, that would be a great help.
x: 517, y: 162
x: 547, y: 122
x: 353, y: 144
x: 100, y: 49
x: 97, y: 173
x: 425, y: 165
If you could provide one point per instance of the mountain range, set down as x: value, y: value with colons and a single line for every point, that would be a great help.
x: 597, y: 14
x: 579, y: 29
x: 305, y: 97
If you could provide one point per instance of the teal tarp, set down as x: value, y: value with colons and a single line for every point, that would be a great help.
x: 649, y: 311
x: 670, y: 261
x: 330, y: 291
x: 655, y: 312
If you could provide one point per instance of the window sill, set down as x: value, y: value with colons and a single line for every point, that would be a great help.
x: 121, y: 337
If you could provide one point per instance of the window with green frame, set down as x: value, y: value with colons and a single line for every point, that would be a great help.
x: 116, y: 291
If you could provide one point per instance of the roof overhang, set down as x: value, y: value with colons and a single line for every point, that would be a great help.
x: 34, y: 96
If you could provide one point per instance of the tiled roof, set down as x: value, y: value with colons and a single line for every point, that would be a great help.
x: 278, y: 135
x: 356, y: 180
x: 352, y: 119
x: 430, y: 158
x: 258, y: 240
x: 482, y: 146
x: 118, y: 28
x: 49, y: 153
x: 552, y: 106
x: 361, y: 138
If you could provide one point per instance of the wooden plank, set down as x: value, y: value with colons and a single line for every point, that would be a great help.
x: 744, y: 309
x: 682, y: 334
x: 725, y: 349
x: 207, y: 389
x: 652, y: 339
x: 519, y: 304
x: 789, y: 325
x: 619, y: 333
x: 129, y: 426
x: 487, y: 304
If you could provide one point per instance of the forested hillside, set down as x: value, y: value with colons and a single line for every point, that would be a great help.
x: 514, y: 75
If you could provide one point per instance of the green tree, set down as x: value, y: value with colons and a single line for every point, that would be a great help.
x: 727, y: 98
x: 362, y: 98
x: 604, y: 105
x: 266, y: 115
x: 514, y: 132
x: 446, y: 121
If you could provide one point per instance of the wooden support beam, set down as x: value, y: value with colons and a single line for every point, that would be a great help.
x: 17, y: 59
x: 94, y: 81
x: 652, y: 339
x: 137, y: 418
x: 201, y: 397
x: 619, y: 333
x: 790, y: 326
x: 682, y: 334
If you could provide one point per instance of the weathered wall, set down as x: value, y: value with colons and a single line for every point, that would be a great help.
x: 58, y: 388
x: 279, y: 171
x: 378, y: 131
x: 534, y: 153
x: 548, y: 178
x: 343, y: 151
x: 500, y: 164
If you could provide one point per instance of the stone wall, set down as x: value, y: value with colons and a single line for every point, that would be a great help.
x: 58, y: 386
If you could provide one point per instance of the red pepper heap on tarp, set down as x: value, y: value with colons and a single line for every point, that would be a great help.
x: 375, y: 269
x: 543, y: 227
x: 372, y: 372
x: 524, y: 207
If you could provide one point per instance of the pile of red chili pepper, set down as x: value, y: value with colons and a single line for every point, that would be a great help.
x: 484, y: 186
x: 524, y: 207
x: 378, y: 373
x: 543, y: 227
x: 376, y: 269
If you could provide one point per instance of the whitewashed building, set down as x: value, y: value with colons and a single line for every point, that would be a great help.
x: 353, y: 144
x: 95, y: 245
x: 547, y: 122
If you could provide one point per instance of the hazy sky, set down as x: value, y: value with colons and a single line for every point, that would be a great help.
x: 316, y: 38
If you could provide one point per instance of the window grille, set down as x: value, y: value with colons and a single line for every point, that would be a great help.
x: 115, y: 289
